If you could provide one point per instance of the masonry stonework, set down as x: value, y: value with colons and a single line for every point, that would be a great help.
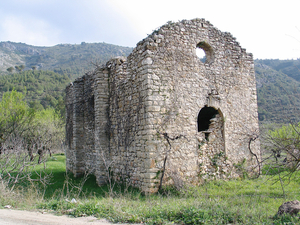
x: 162, y: 111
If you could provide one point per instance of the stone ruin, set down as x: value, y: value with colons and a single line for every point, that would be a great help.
x: 163, y: 115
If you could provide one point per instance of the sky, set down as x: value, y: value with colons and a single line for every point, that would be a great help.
x: 270, y: 29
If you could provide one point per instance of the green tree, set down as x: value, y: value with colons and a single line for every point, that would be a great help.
x: 25, y: 134
x: 282, y: 149
x: 46, y: 131
x: 10, y: 69
x: 38, y: 129
x: 22, y: 67
x: 15, y: 114
x: 18, y: 68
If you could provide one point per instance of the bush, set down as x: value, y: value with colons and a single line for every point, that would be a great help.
x: 24, y: 134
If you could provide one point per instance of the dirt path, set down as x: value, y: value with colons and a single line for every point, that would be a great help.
x: 17, y: 217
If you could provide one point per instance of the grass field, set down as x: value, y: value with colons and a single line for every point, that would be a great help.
x: 247, y: 201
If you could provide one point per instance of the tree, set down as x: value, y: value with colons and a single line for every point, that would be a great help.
x: 15, y: 118
x: 10, y: 69
x: 47, y: 131
x: 285, y: 147
x: 25, y: 134
x: 20, y: 68
x: 15, y: 115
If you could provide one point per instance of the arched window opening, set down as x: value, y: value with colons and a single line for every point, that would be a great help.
x: 204, y: 117
x: 204, y: 52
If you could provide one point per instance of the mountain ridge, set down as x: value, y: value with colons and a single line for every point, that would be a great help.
x: 74, y: 59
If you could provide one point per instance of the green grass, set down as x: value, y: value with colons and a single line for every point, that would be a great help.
x: 249, y: 201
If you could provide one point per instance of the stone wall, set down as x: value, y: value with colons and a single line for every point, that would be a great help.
x: 80, y: 126
x: 162, y: 110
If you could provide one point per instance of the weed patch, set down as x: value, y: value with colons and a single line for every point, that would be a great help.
x: 247, y: 201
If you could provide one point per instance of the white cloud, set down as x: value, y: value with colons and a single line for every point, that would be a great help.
x: 265, y: 28
x: 28, y: 30
x: 260, y: 26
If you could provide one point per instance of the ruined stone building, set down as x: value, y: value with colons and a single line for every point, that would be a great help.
x: 163, y: 110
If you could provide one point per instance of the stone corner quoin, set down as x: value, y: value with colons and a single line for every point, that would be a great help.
x: 163, y: 111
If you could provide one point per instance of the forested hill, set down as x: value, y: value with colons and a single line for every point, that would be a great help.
x: 278, y: 90
x: 42, y: 89
x: 72, y: 60
x: 45, y: 71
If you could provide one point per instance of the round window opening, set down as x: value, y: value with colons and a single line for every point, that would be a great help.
x: 201, y: 54
x: 204, y: 52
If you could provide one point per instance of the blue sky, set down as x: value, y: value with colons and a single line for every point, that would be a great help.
x: 266, y: 28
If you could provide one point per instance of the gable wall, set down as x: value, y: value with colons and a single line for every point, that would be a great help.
x: 181, y: 85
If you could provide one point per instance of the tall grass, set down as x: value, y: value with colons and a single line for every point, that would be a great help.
x: 248, y: 201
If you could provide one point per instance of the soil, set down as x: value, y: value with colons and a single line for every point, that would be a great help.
x: 18, y: 217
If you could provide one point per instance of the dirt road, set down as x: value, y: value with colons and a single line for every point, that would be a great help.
x: 16, y: 217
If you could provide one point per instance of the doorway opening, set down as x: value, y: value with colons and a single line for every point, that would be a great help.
x: 204, y: 117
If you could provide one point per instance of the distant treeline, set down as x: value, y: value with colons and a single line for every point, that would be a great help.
x: 43, y: 88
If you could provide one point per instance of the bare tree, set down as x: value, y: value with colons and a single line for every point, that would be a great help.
x: 24, y: 135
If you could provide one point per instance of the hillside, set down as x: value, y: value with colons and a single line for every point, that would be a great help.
x: 289, y: 67
x: 278, y: 90
x: 73, y: 60
x: 278, y: 81
x: 43, y: 88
